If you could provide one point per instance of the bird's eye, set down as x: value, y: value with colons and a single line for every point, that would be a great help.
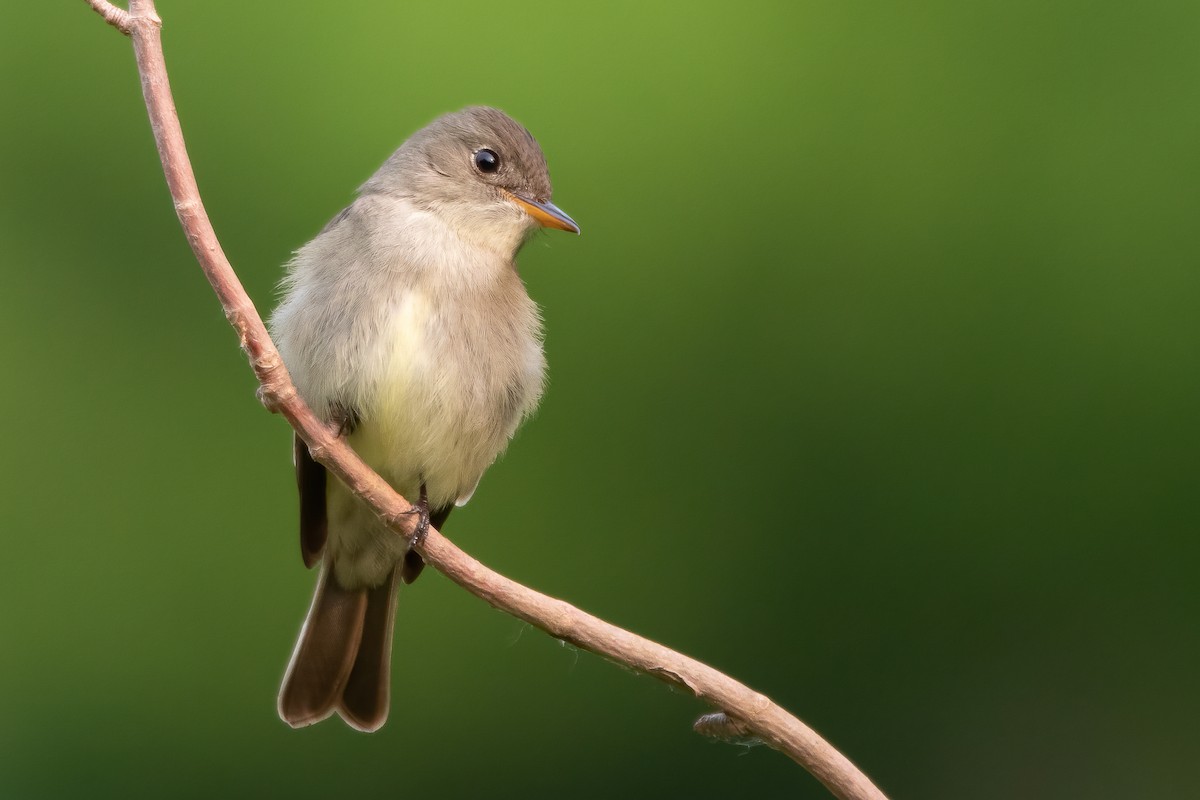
x: 487, y: 161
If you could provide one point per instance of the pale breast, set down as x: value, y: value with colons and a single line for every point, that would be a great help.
x: 454, y: 376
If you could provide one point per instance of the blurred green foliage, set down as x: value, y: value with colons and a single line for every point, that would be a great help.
x: 873, y: 382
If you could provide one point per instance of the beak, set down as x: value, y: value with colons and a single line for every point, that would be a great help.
x: 547, y: 214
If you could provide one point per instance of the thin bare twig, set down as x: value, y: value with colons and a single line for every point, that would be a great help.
x: 114, y: 16
x: 746, y: 713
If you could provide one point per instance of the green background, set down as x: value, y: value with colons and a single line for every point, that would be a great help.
x: 873, y: 383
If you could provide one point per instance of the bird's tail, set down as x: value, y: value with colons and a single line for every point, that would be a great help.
x: 342, y: 661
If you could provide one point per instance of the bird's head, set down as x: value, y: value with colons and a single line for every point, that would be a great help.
x: 480, y: 170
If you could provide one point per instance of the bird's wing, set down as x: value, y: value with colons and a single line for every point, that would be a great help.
x: 310, y: 481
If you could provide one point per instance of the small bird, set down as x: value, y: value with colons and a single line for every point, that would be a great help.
x: 405, y: 324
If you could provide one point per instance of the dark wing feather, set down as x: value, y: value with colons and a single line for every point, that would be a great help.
x: 310, y: 480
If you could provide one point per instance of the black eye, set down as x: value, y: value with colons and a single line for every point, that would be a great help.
x: 487, y: 161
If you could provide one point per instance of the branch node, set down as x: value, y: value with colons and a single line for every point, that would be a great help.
x: 267, y: 366
x: 188, y: 205
x: 274, y: 397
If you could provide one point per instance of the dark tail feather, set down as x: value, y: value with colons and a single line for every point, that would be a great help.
x: 365, y: 698
x: 343, y: 659
x: 324, y: 656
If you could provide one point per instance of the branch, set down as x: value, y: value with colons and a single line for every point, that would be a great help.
x: 746, y: 714
x: 114, y: 16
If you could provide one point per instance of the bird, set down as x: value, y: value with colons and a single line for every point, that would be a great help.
x: 405, y: 325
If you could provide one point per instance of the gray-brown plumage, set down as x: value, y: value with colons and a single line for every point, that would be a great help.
x: 406, y: 323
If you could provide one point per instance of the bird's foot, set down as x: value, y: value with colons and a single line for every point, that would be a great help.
x: 343, y: 419
x: 422, y: 510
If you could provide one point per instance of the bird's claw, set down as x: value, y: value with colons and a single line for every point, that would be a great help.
x: 422, y: 527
